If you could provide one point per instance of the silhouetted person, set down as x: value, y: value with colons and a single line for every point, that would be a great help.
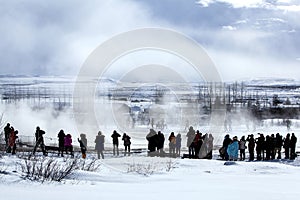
x: 61, y: 142
x: 260, y: 143
x: 152, y: 138
x: 83, y: 145
x: 278, y: 145
x: 286, y: 146
x: 198, y: 143
x: 242, y: 148
x: 178, y: 144
x: 39, y: 141
x: 161, y: 142
x: 268, y: 144
x: 115, y: 136
x: 251, y: 146
x: 293, y: 146
x: 7, y: 131
x: 272, y: 146
x: 190, y: 141
x: 100, y: 144
x: 226, y: 142
x: 127, y: 143
x: 172, y: 144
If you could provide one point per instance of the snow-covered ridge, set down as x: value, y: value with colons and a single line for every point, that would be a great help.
x: 267, y: 81
x: 49, y: 79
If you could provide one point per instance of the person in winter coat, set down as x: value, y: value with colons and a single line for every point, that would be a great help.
x: 39, y: 141
x: 61, y: 142
x: 190, y: 141
x: 68, y: 145
x: 286, y: 146
x: 100, y: 144
x: 197, y: 143
x: 152, y: 138
x: 127, y: 143
x: 251, y: 146
x: 12, y: 141
x: 178, y: 144
x: 293, y: 146
x: 268, y: 146
x: 242, y: 148
x: 233, y: 149
x: 202, y: 146
x: 278, y: 145
x: 8, y: 147
x: 226, y: 142
x: 7, y: 131
x: 83, y: 145
x: 172, y: 144
x: 272, y: 146
x: 115, y: 136
x: 260, y: 147
x: 161, y: 142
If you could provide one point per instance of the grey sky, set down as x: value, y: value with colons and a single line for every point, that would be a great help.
x: 258, y: 38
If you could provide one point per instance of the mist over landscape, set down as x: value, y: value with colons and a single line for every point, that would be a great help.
x: 159, y: 99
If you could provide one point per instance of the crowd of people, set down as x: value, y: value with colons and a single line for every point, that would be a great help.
x: 199, y: 145
x: 65, y: 142
x: 267, y: 148
x: 10, y: 136
x: 156, y: 141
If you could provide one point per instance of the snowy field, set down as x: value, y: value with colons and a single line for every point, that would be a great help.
x: 141, y: 177
x: 159, y: 178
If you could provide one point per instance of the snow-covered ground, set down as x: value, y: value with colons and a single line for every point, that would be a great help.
x: 160, y: 178
x: 141, y: 177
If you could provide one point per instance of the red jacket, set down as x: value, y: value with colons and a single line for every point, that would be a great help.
x: 12, y: 139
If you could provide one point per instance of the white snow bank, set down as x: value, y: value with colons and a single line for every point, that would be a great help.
x: 187, y: 179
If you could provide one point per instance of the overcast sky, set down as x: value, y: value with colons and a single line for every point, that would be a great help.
x: 245, y: 38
